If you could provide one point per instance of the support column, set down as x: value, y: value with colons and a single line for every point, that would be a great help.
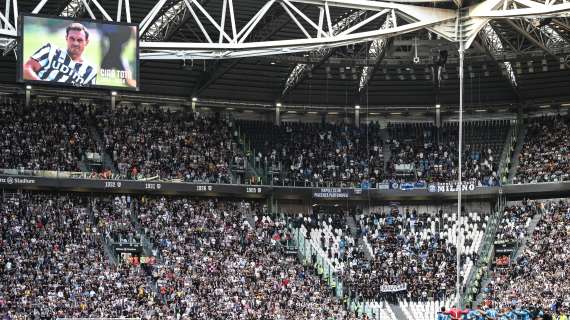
x: 28, y: 95
x: 459, y: 171
x: 113, y: 99
x: 357, y: 116
x: 194, y: 100
x: 437, y: 123
x: 278, y: 114
x: 437, y: 120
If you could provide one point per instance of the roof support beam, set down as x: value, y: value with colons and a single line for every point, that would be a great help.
x: 376, y: 52
x: 561, y: 24
x: 532, y: 33
x: 300, y: 71
x: 73, y: 9
x: 38, y: 7
x: 205, y: 81
x: 418, y: 17
x: 493, y: 45
x: 150, y: 17
x: 512, y: 82
x: 562, y: 28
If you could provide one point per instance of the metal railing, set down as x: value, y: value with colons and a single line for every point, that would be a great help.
x: 485, y: 255
x: 310, y: 254
x: 508, y: 149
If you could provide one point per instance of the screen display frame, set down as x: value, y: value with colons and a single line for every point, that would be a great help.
x: 20, y: 50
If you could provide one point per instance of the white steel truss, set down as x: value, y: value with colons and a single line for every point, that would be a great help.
x: 228, y: 40
x: 315, y: 33
x: 302, y: 69
x: 494, y: 45
x: 376, y: 52
x: 318, y: 34
x: 9, y: 20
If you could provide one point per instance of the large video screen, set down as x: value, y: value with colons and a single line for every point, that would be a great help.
x: 79, y: 53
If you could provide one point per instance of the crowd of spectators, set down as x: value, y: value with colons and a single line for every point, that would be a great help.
x: 159, y: 143
x: 308, y: 154
x: 410, y: 255
x: 114, y: 217
x: 229, y: 259
x: 52, y: 263
x: 218, y: 260
x: 421, y: 266
x: 515, y: 222
x: 422, y: 152
x: 545, y: 156
x: 327, y: 228
x: 538, y: 278
x: 166, y: 144
x: 44, y: 136
x: 226, y: 260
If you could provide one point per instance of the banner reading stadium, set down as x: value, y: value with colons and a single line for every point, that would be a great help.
x: 79, y: 53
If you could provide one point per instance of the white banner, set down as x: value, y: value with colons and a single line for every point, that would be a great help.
x: 393, y: 287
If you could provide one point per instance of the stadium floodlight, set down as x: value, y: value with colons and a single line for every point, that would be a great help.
x: 438, y: 106
x: 113, y: 93
x: 28, y: 87
x: 356, y: 107
x: 194, y: 99
x: 278, y: 104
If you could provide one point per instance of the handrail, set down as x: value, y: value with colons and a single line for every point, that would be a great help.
x: 508, y: 149
x: 485, y: 254
x: 308, y: 251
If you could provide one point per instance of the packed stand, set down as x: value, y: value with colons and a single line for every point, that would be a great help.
x: 113, y: 215
x: 166, y: 144
x: 546, y: 152
x: 45, y: 136
x: 538, y: 278
x: 216, y: 265
x: 413, y: 254
x: 326, y: 155
x: 423, y: 153
x: 52, y: 263
x: 330, y: 234
x: 516, y: 219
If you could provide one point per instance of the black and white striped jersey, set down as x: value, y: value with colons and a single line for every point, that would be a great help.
x: 57, y: 66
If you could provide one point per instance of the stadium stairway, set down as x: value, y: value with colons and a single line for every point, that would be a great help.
x: 530, y: 231
x: 387, y: 151
x: 481, y: 295
x: 108, y: 251
x: 250, y: 170
x: 106, y: 246
x: 107, y: 160
x: 516, y: 153
x: 508, y: 148
x: 351, y: 224
x: 148, y: 249
x: 82, y: 166
x: 250, y: 219
x: 398, y: 312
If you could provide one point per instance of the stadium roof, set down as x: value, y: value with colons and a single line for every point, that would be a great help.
x: 519, y: 61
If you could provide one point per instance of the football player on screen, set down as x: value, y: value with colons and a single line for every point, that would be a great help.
x: 53, y: 64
